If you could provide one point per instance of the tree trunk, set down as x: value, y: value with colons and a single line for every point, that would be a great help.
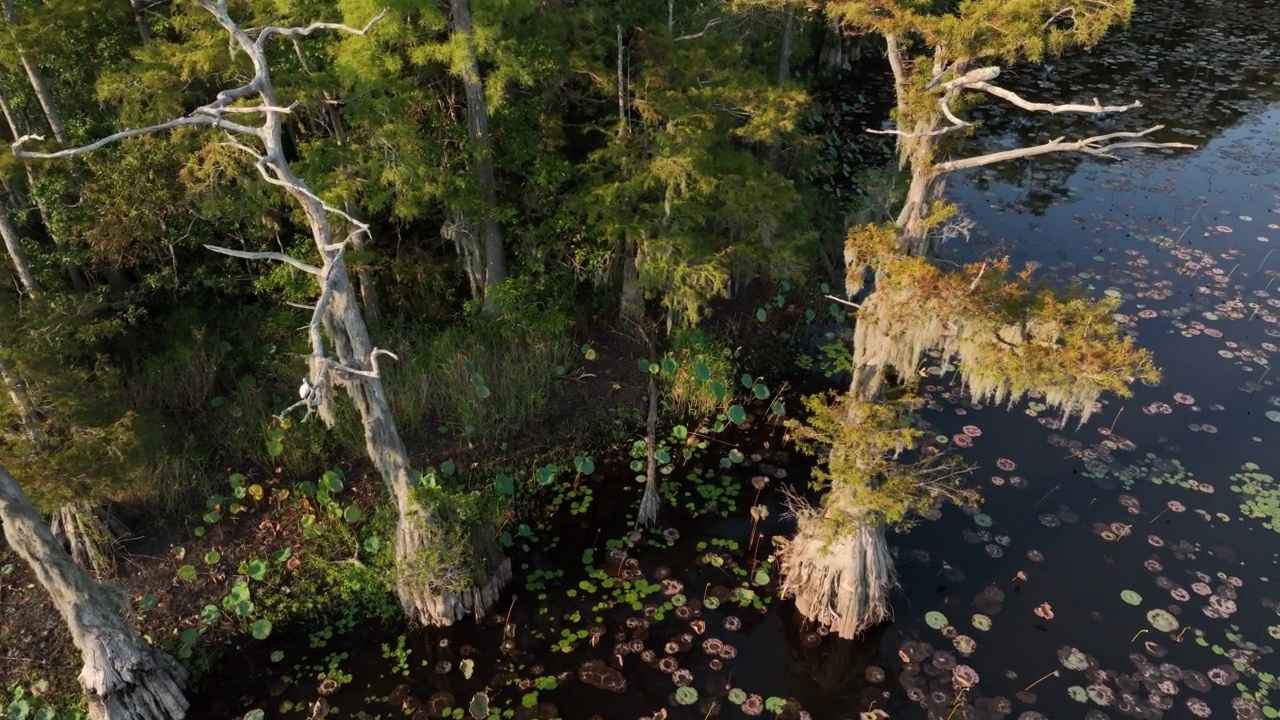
x: 140, y: 17
x: 839, y: 569
x: 17, y: 253
x: 495, y: 262
x: 124, y: 678
x: 784, y: 54
x: 622, y: 89
x: 650, y: 501
x: 32, y: 421
x: 912, y: 222
x: 631, y: 302
x: 74, y: 274
x: 38, y: 83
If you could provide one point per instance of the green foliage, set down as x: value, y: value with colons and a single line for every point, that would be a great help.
x: 685, y: 186
x: 28, y: 702
x: 1011, y: 335
x: 860, y: 446
x: 460, y: 536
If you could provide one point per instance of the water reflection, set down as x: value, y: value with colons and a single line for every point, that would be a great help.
x: 1137, y: 557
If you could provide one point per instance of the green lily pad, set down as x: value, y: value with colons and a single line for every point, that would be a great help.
x: 1162, y: 620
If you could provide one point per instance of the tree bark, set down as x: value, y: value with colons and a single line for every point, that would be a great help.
x: 124, y: 678
x: 140, y: 17
x: 32, y: 421
x: 784, y: 54
x: 631, y: 302
x: 926, y: 186
x: 649, y: 502
x: 74, y: 274
x: 86, y: 537
x: 622, y: 89
x: 17, y: 253
x: 495, y: 262
x: 38, y: 82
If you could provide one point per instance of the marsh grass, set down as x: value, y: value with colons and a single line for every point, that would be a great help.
x: 480, y: 380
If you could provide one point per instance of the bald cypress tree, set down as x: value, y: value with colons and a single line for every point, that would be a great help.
x: 1010, y: 337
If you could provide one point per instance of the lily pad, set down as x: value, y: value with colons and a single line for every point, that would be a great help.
x: 1162, y: 620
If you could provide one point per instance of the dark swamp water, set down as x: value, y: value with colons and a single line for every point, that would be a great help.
x: 1126, y: 568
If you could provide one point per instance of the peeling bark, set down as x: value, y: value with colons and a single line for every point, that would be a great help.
x: 841, y: 581
x: 123, y: 677
x: 85, y: 536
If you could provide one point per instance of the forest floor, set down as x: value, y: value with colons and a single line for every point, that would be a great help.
x: 600, y: 409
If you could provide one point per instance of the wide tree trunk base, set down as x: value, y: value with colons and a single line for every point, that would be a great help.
x: 441, y: 609
x: 842, y: 583
x: 649, y: 504
x: 131, y: 681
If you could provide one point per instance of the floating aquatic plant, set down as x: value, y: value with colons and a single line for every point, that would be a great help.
x: 1162, y: 620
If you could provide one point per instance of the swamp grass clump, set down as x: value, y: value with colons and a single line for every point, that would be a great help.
x: 481, y: 379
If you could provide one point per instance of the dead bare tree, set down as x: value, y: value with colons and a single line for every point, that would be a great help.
x: 348, y: 358
x: 124, y: 677
x: 920, y: 126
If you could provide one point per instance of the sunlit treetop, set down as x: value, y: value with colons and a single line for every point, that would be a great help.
x: 1001, y: 30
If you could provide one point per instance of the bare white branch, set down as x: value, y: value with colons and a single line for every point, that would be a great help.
x: 278, y: 257
x: 710, y: 24
x: 292, y: 185
x: 373, y: 364
x: 1098, y: 145
x: 202, y: 119
x: 265, y: 33
x: 976, y: 75
x: 223, y: 109
x: 1015, y: 99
